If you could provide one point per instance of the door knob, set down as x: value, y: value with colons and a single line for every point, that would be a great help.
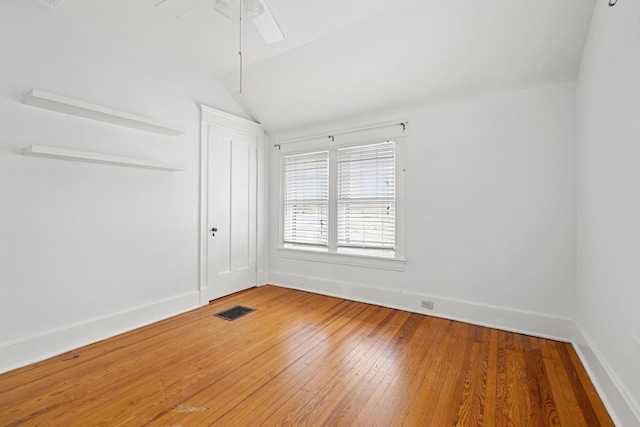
x: 213, y: 231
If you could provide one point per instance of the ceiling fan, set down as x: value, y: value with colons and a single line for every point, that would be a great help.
x: 257, y: 12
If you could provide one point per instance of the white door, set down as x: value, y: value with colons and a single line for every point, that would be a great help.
x: 232, y: 207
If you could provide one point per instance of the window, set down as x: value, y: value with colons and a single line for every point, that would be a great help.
x: 306, y: 199
x: 366, y: 197
x: 342, y: 198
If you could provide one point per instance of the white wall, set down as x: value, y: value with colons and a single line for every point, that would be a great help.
x: 89, y: 250
x: 490, y: 214
x: 608, y: 121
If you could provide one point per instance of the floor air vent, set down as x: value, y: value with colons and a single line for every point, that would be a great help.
x: 235, y: 312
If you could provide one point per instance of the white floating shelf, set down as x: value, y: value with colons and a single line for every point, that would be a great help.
x: 63, y: 104
x: 108, y: 159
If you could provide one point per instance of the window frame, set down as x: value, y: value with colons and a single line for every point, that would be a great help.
x: 330, y: 254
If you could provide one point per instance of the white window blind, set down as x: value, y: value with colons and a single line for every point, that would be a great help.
x: 367, y: 196
x: 306, y: 198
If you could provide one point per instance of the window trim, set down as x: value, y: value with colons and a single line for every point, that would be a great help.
x: 332, y: 144
x: 386, y: 263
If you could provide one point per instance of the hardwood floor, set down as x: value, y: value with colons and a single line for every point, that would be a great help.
x: 305, y: 359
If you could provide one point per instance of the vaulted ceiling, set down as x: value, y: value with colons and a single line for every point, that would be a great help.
x: 344, y: 58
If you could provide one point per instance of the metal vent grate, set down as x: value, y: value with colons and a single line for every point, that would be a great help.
x: 235, y: 312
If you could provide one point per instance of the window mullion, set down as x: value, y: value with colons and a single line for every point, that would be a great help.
x: 333, y: 198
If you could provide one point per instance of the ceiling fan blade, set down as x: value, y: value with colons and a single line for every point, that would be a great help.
x: 257, y: 11
x: 224, y: 7
x: 176, y: 8
x: 267, y: 25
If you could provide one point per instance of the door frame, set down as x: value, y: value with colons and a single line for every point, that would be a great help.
x: 212, y: 117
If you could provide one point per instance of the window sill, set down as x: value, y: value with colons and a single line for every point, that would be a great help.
x: 386, y: 263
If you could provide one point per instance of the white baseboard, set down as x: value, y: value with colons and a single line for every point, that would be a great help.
x: 524, y: 322
x: 39, y: 347
x: 613, y: 394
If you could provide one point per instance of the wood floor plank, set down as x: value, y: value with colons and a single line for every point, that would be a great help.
x: 502, y: 410
x: 263, y: 370
x: 491, y: 362
x: 594, y: 398
x: 425, y: 367
x: 446, y: 410
x: 576, y: 384
x: 425, y: 401
x: 557, y: 387
x: 294, y: 361
x: 545, y: 413
x: 382, y: 363
x: 354, y: 383
x: 198, y: 355
x: 320, y: 375
x: 472, y: 403
x: 401, y: 370
x: 306, y: 359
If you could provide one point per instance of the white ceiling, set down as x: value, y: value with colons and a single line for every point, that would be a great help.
x: 344, y: 58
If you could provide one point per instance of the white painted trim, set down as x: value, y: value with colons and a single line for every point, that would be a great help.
x: 64, y: 104
x: 400, y: 199
x: 39, y: 347
x: 262, y: 224
x: 204, y: 211
x: 229, y: 121
x: 389, y: 263
x: 613, y: 394
x: 508, y: 319
x: 90, y: 157
x: 216, y: 118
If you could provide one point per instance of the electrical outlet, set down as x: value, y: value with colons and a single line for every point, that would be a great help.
x: 426, y: 304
